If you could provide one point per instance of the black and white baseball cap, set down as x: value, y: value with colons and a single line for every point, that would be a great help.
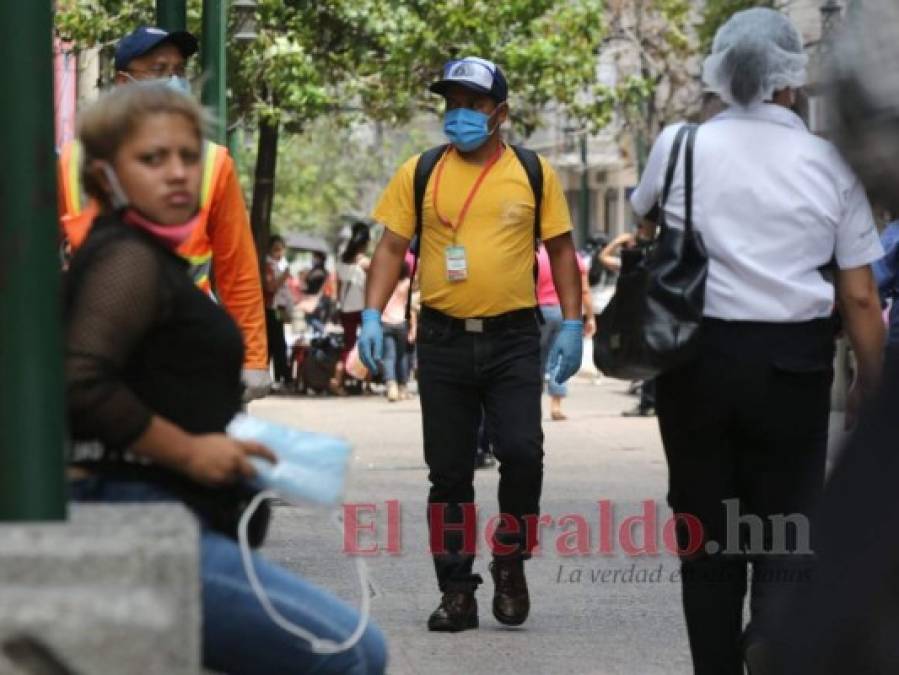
x: 474, y: 73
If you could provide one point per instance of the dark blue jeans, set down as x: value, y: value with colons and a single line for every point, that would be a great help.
x: 396, y: 353
x: 459, y: 373
x: 238, y: 636
x: 549, y: 331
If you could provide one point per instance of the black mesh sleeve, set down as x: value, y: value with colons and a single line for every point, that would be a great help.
x: 114, y: 300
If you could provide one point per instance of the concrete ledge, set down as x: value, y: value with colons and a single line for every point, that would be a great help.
x: 115, y: 590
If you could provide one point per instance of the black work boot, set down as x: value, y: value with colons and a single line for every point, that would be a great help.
x: 511, y: 603
x: 458, y: 611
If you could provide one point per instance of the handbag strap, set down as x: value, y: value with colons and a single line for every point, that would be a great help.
x: 688, y: 179
x: 687, y: 131
x: 672, y: 161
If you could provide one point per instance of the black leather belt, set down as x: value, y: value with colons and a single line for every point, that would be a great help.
x: 519, y: 318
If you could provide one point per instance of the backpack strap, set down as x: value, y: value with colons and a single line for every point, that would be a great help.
x: 530, y: 160
x: 424, y: 167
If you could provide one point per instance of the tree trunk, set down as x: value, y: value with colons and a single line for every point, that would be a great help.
x: 264, y: 185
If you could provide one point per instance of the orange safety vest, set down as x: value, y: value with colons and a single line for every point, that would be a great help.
x: 80, y: 209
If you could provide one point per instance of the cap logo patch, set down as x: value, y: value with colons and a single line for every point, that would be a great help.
x: 470, y: 70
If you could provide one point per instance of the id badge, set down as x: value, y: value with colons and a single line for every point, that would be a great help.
x: 456, y: 264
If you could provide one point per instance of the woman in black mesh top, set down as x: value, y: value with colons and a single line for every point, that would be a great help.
x: 153, y: 375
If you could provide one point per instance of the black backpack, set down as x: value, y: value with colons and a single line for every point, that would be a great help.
x: 424, y: 167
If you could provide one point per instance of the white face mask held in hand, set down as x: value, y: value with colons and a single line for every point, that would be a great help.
x: 311, y: 467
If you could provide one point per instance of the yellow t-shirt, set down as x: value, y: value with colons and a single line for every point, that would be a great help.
x: 497, y: 233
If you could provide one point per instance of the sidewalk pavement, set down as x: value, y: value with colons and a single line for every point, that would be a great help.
x: 591, y: 615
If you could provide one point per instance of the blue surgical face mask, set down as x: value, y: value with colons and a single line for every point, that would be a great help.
x: 311, y: 467
x: 174, y: 81
x: 467, y: 129
x: 179, y: 84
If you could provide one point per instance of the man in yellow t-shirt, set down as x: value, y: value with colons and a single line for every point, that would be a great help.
x: 478, y: 337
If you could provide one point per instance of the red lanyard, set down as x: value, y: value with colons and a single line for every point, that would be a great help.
x: 474, y: 188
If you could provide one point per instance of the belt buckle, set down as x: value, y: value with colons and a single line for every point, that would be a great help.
x: 474, y: 325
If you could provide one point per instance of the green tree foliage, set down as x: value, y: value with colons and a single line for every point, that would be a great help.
x: 656, y: 56
x: 717, y: 12
x: 345, y: 61
x: 375, y: 57
x: 329, y: 171
x: 663, y: 43
x: 92, y: 23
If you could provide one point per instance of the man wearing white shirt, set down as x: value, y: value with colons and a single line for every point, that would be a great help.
x: 744, y: 425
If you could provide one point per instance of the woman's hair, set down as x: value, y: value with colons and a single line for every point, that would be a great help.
x: 358, y: 242
x: 109, y: 121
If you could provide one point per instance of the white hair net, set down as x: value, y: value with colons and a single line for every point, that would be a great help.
x: 757, y: 52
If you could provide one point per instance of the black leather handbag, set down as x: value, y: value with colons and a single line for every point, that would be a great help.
x: 652, y: 322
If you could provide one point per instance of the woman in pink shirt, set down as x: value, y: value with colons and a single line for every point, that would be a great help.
x: 548, y: 300
x: 396, y: 339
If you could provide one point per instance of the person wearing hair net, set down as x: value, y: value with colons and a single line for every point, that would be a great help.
x: 744, y: 425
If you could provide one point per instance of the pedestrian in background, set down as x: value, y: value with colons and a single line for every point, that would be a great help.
x: 396, y: 339
x: 478, y: 337
x: 352, y: 269
x: 551, y: 309
x: 314, y: 278
x: 611, y: 260
x: 278, y: 308
x: 745, y: 424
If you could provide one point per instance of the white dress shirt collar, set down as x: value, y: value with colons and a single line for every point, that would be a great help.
x: 767, y: 112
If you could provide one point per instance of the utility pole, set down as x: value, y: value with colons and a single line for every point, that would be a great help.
x: 212, y: 56
x: 32, y: 431
x: 171, y: 15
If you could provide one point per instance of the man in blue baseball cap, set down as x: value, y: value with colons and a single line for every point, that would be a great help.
x: 477, y: 207
x: 155, y: 54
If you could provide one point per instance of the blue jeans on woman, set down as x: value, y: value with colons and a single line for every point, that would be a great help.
x: 238, y: 636
x: 396, y: 353
x: 552, y: 324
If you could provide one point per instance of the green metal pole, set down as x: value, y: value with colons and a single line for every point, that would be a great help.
x: 171, y: 15
x: 212, y: 54
x: 32, y: 471
x: 584, y: 225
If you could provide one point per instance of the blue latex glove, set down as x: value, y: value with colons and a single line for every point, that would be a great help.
x: 371, y: 340
x: 567, y: 351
